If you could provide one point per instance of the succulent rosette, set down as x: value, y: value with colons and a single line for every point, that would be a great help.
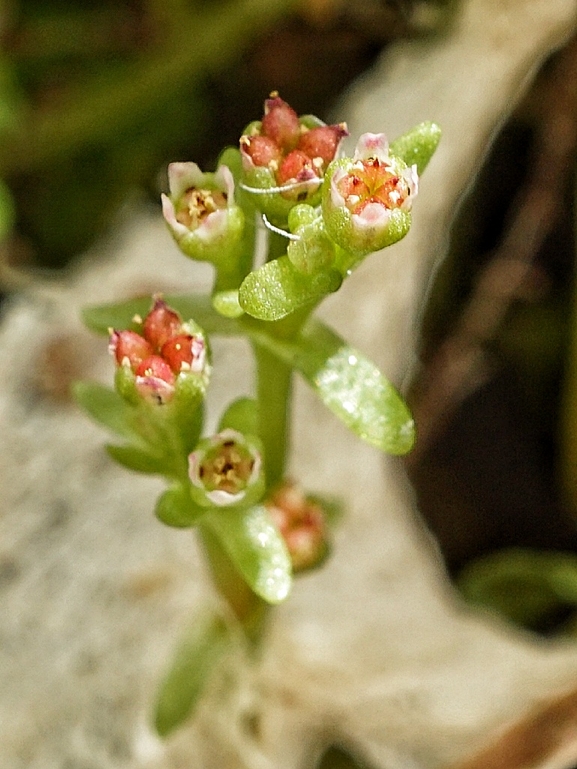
x: 285, y: 157
x: 226, y: 469
x: 201, y: 213
x: 367, y: 199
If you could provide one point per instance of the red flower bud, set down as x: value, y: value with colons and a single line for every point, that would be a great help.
x: 129, y: 346
x: 262, y: 150
x: 322, y: 142
x: 281, y: 123
x: 161, y: 323
x: 184, y: 352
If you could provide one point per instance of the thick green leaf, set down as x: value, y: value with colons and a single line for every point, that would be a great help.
x: 241, y: 415
x: 226, y: 303
x: 417, y: 145
x: 349, y: 384
x: 121, y: 315
x: 176, y: 508
x: 139, y: 460
x: 526, y: 586
x: 197, y: 656
x: 256, y: 548
x: 276, y: 289
x: 105, y: 406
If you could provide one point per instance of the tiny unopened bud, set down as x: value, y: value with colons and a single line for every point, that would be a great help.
x: 301, y: 522
x: 281, y: 123
x: 161, y: 324
x: 312, y: 250
x: 129, y: 348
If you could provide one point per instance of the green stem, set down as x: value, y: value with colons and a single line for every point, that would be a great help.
x: 274, y: 380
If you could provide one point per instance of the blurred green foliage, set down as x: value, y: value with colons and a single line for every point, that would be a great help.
x: 97, y: 95
x: 105, y: 91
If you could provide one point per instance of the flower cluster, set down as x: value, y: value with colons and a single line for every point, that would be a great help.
x: 295, y: 151
x: 166, y: 349
x: 301, y: 522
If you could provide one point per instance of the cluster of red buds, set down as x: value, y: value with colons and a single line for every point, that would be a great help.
x: 166, y: 349
x: 301, y: 523
x: 295, y: 151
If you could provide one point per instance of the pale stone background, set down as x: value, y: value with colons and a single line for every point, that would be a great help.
x: 375, y: 650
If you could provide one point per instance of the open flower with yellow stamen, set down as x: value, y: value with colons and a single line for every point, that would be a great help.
x: 226, y: 469
x: 367, y: 199
x: 201, y: 213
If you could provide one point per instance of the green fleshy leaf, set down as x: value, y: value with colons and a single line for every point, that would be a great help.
x: 349, y: 384
x: 175, y: 508
x: 226, y: 303
x: 120, y: 315
x: 196, y: 657
x: 242, y: 416
x: 526, y: 586
x: 139, y: 460
x: 277, y: 289
x: 187, y: 410
x: 105, y: 406
x: 418, y: 145
x: 231, y: 157
x: 256, y: 548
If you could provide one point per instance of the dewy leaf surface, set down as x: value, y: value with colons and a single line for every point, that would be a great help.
x: 418, y: 145
x: 276, y: 289
x: 256, y: 548
x: 350, y: 385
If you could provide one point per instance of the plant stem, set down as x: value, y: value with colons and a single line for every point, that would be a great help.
x: 274, y: 380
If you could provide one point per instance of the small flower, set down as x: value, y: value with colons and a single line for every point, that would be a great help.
x: 156, y: 361
x: 301, y: 522
x: 201, y: 213
x: 287, y: 155
x: 367, y: 199
x: 226, y: 469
